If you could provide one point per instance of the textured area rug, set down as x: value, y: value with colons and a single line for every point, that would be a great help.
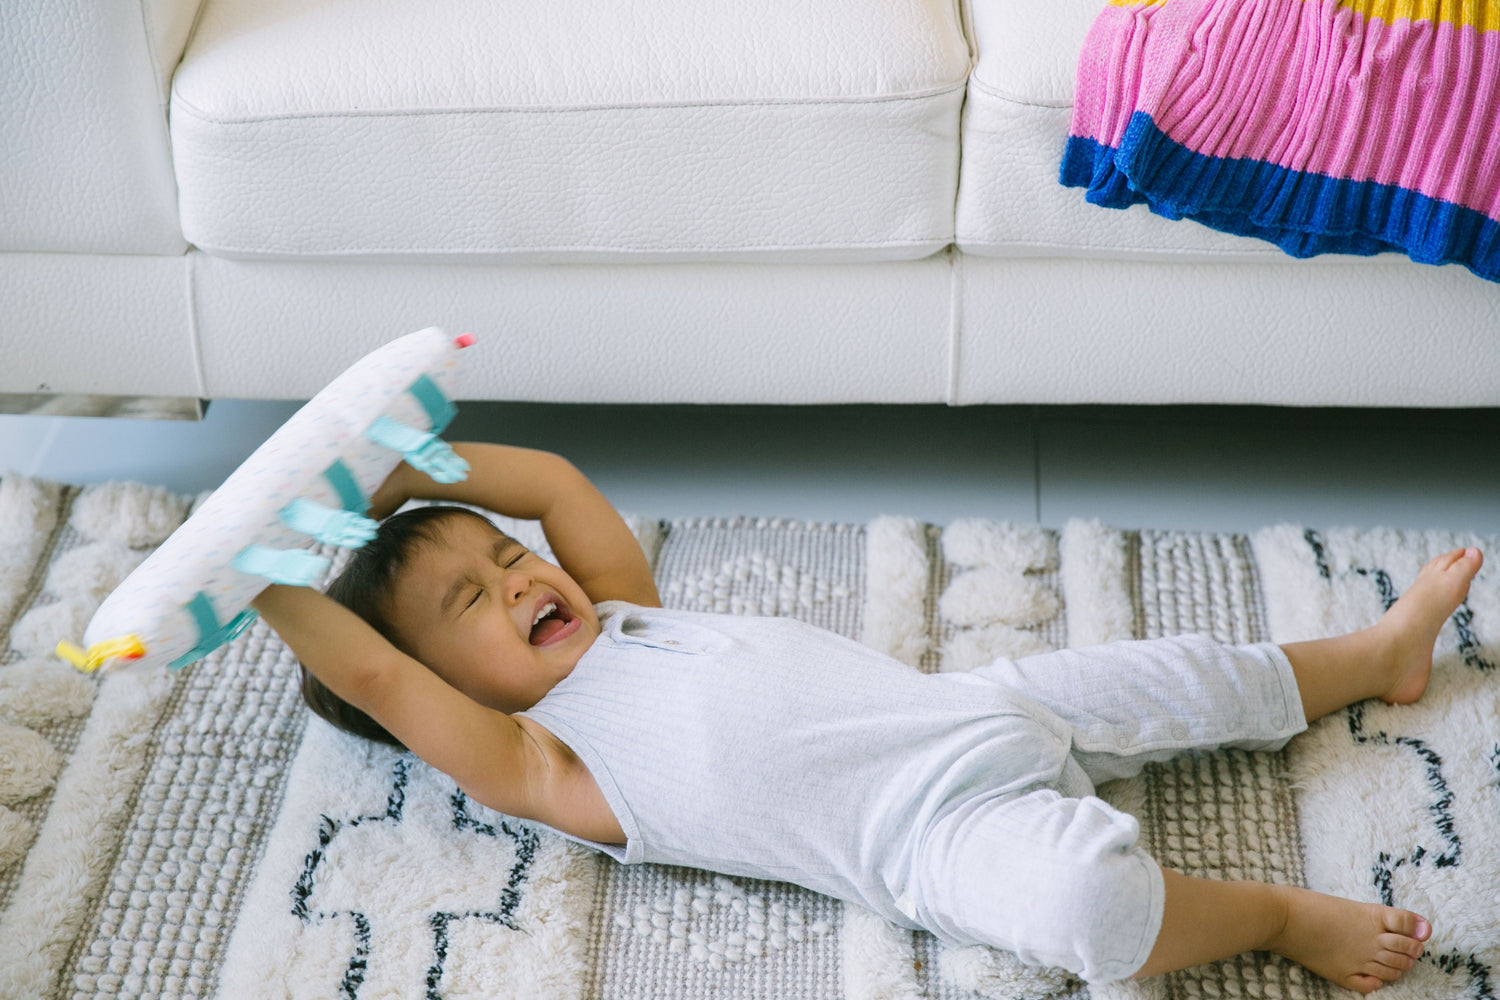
x: 196, y: 834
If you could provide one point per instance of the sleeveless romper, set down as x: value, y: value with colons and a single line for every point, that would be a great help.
x: 954, y: 802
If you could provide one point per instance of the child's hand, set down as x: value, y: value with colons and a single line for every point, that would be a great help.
x: 395, y: 491
x: 590, y: 539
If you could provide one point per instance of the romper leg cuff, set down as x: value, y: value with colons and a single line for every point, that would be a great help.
x: 1289, y: 719
x: 1156, y: 903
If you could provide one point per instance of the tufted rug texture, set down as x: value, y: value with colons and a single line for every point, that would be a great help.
x: 198, y: 834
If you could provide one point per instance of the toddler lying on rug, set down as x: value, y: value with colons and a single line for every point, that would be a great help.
x: 961, y: 804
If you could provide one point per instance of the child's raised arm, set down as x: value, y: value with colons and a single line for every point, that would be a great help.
x: 590, y: 539
x: 493, y: 757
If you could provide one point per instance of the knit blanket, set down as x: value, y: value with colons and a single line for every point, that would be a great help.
x: 179, y: 836
x: 1349, y: 126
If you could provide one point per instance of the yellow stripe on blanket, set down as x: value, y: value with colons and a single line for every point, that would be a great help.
x: 1483, y: 15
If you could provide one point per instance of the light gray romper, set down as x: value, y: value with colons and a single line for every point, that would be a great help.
x: 957, y: 803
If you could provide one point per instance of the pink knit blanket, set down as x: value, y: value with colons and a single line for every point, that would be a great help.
x: 1352, y: 126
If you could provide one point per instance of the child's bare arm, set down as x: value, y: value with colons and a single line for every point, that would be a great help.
x: 491, y: 756
x: 588, y: 536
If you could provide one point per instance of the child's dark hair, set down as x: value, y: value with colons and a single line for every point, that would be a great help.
x: 364, y: 587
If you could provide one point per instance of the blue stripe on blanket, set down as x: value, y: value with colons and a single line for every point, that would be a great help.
x: 1304, y: 214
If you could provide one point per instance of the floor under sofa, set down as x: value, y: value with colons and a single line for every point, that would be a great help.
x: 1219, y: 468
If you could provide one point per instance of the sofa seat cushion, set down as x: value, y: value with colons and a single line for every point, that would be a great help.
x: 558, y: 129
x: 1020, y: 104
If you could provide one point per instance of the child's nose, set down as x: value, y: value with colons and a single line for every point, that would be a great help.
x: 516, y: 584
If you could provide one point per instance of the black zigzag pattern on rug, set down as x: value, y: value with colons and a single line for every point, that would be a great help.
x: 1320, y: 554
x: 1388, y: 595
x: 1440, y: 809
x: 1468, y: 642
x: 1479, y: 974
x: 302, y: 889
x: 1453, y: 962
x: 526, y: 844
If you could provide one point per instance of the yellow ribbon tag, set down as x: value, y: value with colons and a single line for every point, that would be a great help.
x: 128, y: 647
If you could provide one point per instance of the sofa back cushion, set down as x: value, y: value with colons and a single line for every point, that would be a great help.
x: 83, y: 89
x: 1020, y: 103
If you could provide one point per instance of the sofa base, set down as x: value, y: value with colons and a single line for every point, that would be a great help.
x: 952, y: 328
x: 646, y: 333
x: 127, y: 407
x: 1333, y: 331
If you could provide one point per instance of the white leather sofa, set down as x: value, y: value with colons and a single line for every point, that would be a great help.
x: 670, y: 201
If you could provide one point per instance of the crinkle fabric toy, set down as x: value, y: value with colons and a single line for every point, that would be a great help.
x: 312, y: 479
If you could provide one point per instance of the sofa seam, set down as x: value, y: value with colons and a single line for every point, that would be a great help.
x: 164, y: 103
x: 1131, y: 252
x: 203, y: 116
x: 966, y: 28
x: 194, y: 335
x: 977, y: 84
x: 955, y: 323
x: 163, y: 100
x: 947, y: 241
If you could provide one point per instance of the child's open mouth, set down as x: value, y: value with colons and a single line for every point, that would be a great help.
x: 553, y: 622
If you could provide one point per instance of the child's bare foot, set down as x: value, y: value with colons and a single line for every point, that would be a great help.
x: 1411, y: 625
x: 1360, y: 946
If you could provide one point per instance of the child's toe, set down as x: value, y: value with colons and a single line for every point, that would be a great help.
x: 1401, y: 944
x: 1448, y: 559
x: 1406, y: 924
x: 1440, y: 564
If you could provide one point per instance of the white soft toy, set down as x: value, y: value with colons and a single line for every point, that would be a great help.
x: 312, y: 479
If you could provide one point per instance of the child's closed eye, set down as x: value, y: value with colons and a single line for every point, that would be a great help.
x: 516, y: 550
